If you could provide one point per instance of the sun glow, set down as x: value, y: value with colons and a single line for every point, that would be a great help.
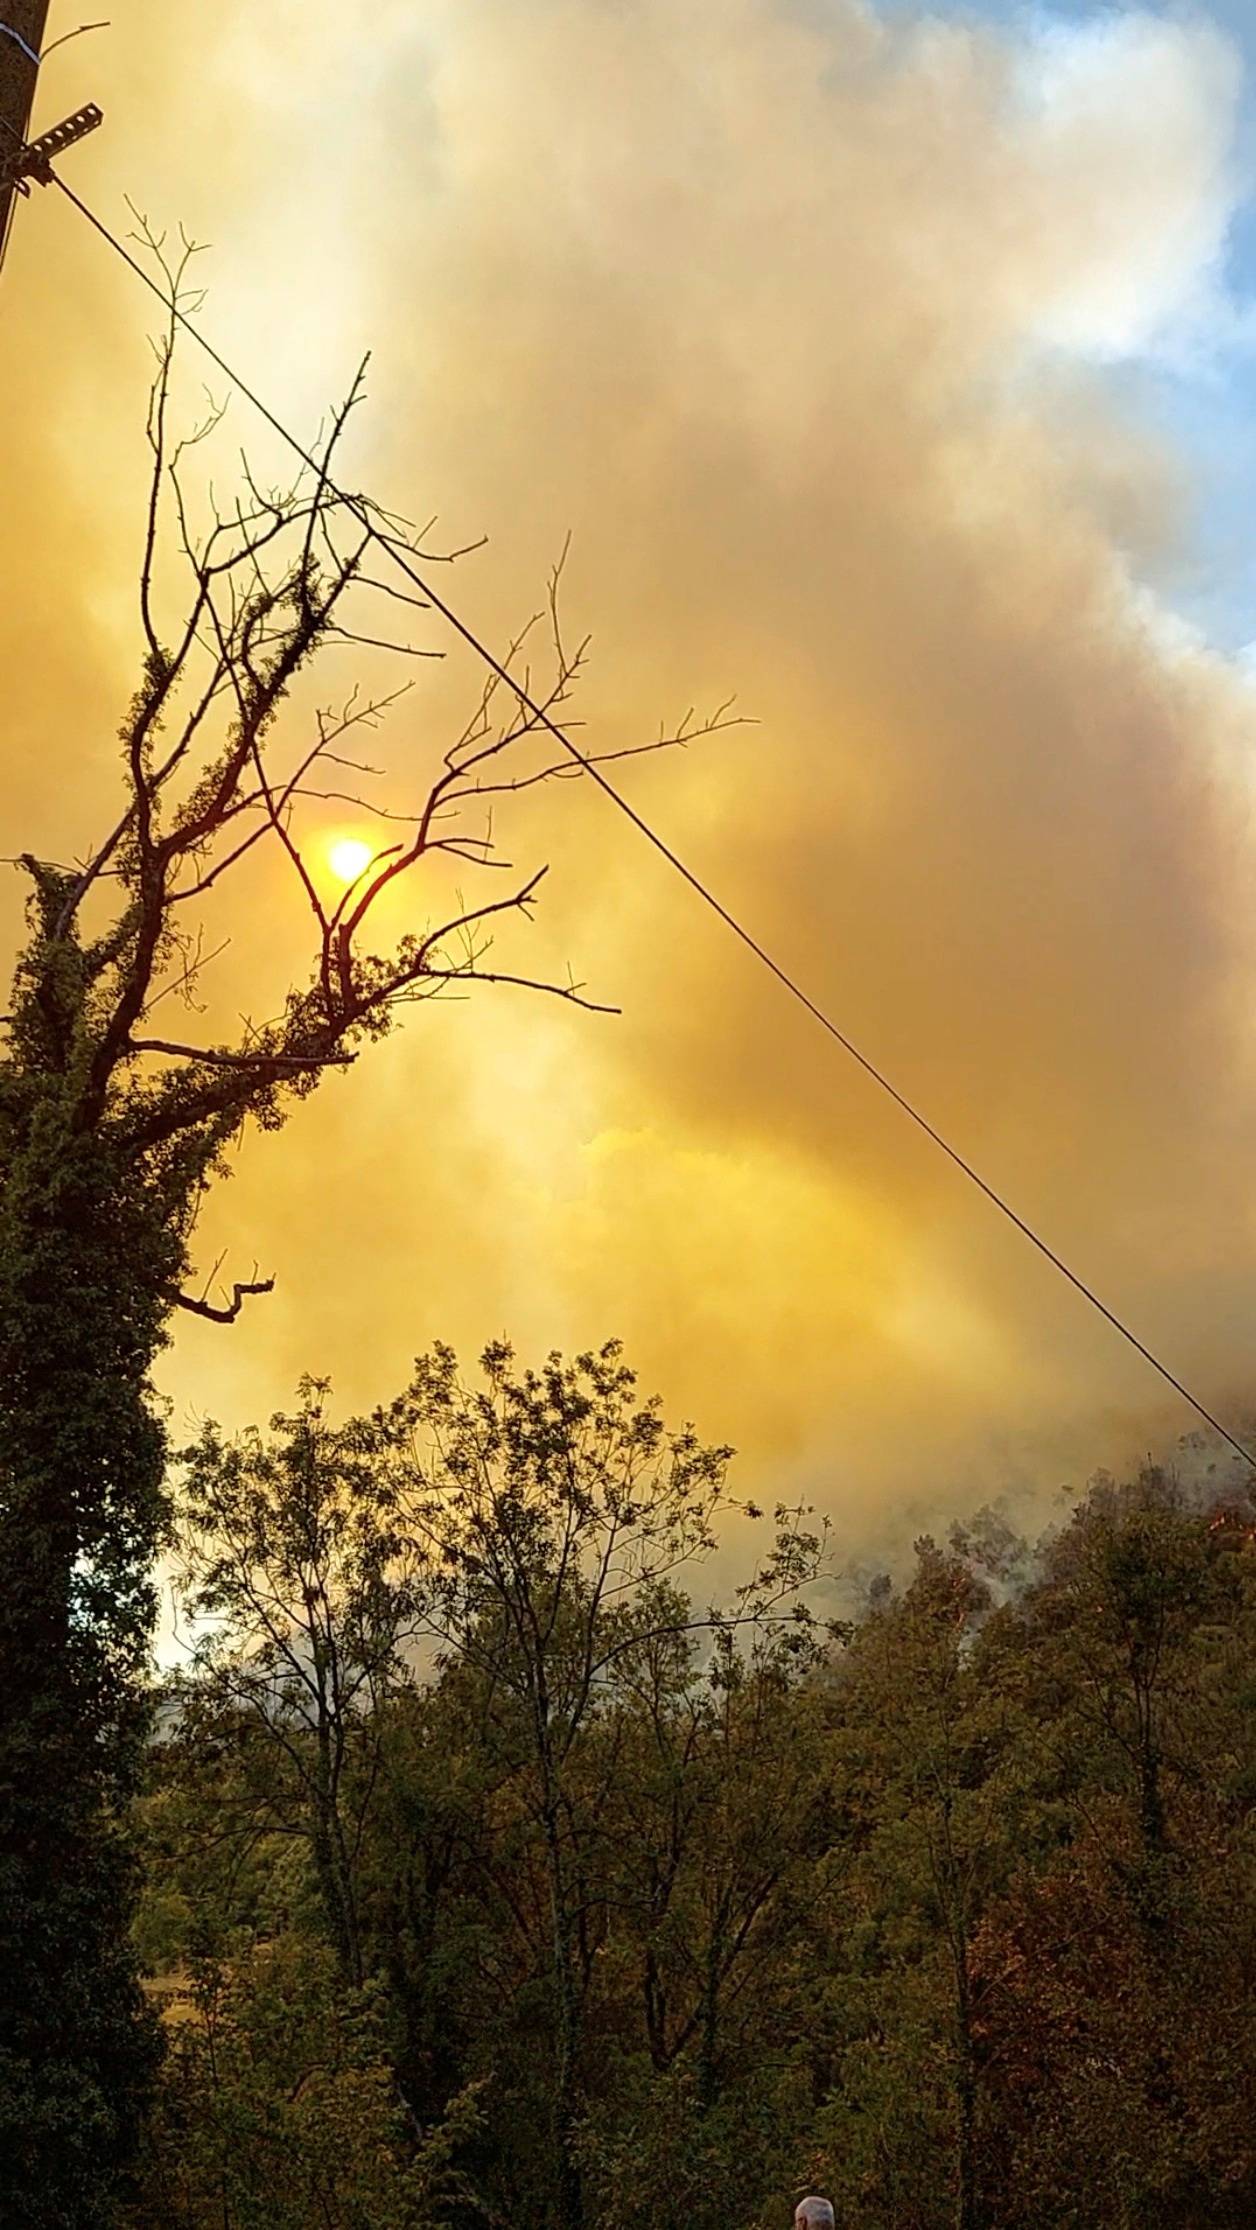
x: 348, y: 857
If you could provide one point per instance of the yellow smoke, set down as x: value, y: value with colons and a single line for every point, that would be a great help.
x: 797, y: 319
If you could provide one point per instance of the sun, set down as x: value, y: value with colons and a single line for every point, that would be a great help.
x: 348, y: 857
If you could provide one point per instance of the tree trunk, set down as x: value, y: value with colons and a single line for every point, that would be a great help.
x: 569, y: 2186
x: 708, y: 2035
x: 81, y: 1509
x: 1150, y: 1799
x: 331, y: 1858
x: 968, y: 2211
x: 339, y: 1900
x: 655, y: 2003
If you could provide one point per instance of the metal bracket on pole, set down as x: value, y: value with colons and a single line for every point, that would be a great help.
x: 35, y: 160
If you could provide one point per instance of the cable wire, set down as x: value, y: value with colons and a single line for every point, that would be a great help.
x: 362, y: 512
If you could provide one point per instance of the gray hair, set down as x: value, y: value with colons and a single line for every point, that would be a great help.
x: 814, y: 2214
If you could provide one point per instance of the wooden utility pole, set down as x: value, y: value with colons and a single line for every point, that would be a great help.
x: 22, y: 26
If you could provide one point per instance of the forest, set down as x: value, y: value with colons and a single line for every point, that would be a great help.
x: 493, y: 1874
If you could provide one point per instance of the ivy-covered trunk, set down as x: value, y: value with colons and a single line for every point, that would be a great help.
x: 85, y: 1253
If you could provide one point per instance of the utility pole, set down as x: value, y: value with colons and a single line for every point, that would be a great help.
x: 24, y: 161
x: 22, y: 26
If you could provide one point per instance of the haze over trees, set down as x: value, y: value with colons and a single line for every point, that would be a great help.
x: 497, y: 1875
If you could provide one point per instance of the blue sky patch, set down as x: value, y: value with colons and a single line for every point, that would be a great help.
x: 1203, y: 399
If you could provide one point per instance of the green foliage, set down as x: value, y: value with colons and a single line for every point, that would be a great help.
x: 657, y: 2157
x: 279, y: 2110
x: 661, y: 1915
x: 87, y: 1243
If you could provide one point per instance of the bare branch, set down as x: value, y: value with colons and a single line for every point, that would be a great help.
x: 240, y: 1291
x: 261, y: 1060
x: 211, y: 785
x: 572, y: 992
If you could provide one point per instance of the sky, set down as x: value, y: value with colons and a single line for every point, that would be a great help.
x: 1202, y: 398
x: 891, y: 369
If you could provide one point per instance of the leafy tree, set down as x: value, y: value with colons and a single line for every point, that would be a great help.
x: 923, y: 1747
x: 527, y: 1530
x: 550, y: 1505
x: 720, y: 1806
x: 720, y: 1815
x: 305, y: 1593
x: 1129, y: 1591
x: 885, y: 1912
x: 1121, y: 1959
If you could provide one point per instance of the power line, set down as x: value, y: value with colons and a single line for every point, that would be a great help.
x: 362, y: 512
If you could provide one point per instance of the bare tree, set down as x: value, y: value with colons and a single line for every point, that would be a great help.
x: 275, y: 580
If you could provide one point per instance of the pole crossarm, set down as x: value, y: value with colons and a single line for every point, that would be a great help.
x: 35, y: 159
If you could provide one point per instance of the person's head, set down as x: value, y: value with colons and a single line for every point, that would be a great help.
x: 813, y: 2214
